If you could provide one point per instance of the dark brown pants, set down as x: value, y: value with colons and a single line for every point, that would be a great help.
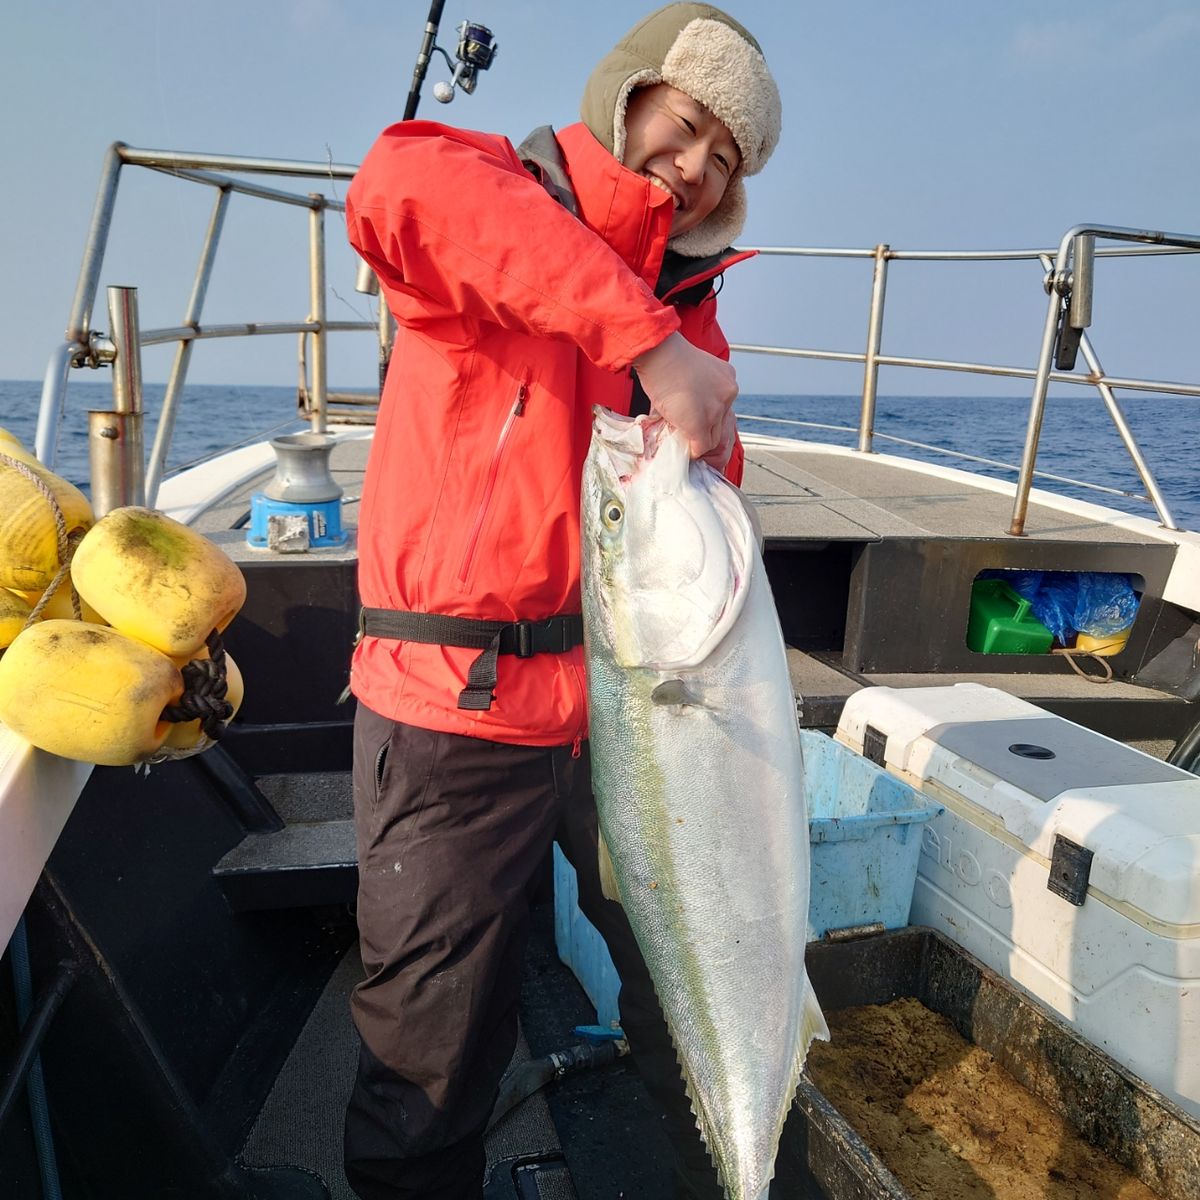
x: 451, y: 832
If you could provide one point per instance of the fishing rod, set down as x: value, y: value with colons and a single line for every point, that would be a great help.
x: 476, y: 50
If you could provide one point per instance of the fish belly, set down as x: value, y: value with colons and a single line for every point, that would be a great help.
x: 702, y: 808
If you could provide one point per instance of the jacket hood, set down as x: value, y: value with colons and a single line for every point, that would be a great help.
x: 704, y: 52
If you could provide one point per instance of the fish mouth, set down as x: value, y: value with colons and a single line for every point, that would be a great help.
x: 622, y: 439
x: 629, y: 442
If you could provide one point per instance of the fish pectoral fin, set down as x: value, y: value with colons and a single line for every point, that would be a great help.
x: 608, y: 877
x: 675, y: 691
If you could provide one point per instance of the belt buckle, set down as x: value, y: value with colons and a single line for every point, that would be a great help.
x: 524, y: 639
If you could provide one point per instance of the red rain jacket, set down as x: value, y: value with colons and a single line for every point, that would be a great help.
x: 514, y: 318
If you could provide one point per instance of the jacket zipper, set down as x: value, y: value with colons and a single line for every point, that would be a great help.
x: 517, y: 410
x: 581, y: 733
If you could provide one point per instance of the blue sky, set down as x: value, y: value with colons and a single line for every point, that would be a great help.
x: 927, y: 124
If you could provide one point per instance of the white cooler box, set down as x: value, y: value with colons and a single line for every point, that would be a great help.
x: 1068, y: 862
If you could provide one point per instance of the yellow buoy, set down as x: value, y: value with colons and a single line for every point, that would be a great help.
x: 14, y: 612
x: 59, y: 607
x: 157, y: 580
x: 1103, y: 645
x: 8, y: 440
x: 187, y: 737
x: 87, y: 692
x: 28, y: 533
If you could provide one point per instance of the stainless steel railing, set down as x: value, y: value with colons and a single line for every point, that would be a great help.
x: 115, y: 443
x: 1059, y: 283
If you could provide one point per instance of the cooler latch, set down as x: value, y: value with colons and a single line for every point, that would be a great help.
x: 1070, y: 867
x: 874, y: 746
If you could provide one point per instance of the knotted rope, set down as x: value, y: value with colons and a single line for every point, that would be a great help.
x: 204, y: 691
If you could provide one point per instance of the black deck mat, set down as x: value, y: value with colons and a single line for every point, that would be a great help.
x: 606, y: 1125
x: 609, y: 1128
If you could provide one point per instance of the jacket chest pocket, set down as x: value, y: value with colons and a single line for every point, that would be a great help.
x: 515, y: 414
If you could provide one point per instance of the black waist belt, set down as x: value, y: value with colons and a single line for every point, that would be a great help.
x: 554, y: 635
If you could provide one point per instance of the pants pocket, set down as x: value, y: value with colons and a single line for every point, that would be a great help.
x: 374, y: 763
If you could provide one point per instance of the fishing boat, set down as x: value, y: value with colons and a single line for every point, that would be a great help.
x: 182, y: 941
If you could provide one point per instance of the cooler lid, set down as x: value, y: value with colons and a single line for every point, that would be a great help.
x: 1047, y: 779
x: 1046, y: 756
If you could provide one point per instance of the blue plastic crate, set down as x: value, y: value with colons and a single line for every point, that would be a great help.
x: 864, y: 831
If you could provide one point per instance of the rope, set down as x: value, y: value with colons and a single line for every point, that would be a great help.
x: 63, y: 573
x: 66, y: 542
x: 1070, y: 656
x: 204, y: 688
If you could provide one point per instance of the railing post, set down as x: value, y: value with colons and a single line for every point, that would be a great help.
x: 75, y: 351
x: 1149, y: 482
x: 387, y: 334
x: 1041, y: 385
x: 183, y: 354
x: 115, y: 438
x: 1037, y: 410
x: 367, y: 282
x: 79, y: 322
x: 53, y: 403
x: 316, y: 243
x: 866, y: 423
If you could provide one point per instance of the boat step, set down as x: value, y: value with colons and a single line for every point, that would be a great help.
x: 310, y: 795
x: 305, y: 864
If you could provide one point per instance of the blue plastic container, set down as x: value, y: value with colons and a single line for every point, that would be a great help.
x: 865, y: 836
x: 581, y: 947
x: 864, y: 829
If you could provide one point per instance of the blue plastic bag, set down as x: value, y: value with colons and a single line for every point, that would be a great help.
x: 1106, y: 603
x: 1055, y: 602
x: 1098, y: 603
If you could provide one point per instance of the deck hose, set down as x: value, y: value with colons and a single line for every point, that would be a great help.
x: 526, y: 1078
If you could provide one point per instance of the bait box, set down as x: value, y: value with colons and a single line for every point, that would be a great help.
x: 1064, y: 860
x: 1107, y: 1105
x: 864, y: 835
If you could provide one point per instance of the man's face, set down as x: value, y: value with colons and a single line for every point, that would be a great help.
x: 679, y: 145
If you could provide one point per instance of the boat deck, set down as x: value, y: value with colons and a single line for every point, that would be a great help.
x: 595, y: 1135
x: 837, y: 494
x: 815, y: 493
x: 810, y: 499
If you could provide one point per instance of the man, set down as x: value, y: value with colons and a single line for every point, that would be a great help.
x: 527, y: 286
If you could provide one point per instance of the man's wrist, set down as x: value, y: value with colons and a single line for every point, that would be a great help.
x: 648, y: 357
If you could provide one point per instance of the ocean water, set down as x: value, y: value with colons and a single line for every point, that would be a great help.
x: 1078, y: 438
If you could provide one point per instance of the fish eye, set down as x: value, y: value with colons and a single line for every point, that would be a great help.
x: 611, y: 513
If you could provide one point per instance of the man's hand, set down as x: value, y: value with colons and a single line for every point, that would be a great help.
x: 719, y: 455
x: 693, y: 391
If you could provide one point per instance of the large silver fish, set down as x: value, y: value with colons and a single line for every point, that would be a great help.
x: 699, y: 780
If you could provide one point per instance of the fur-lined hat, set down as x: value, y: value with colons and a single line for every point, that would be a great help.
x: 704, y: 52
